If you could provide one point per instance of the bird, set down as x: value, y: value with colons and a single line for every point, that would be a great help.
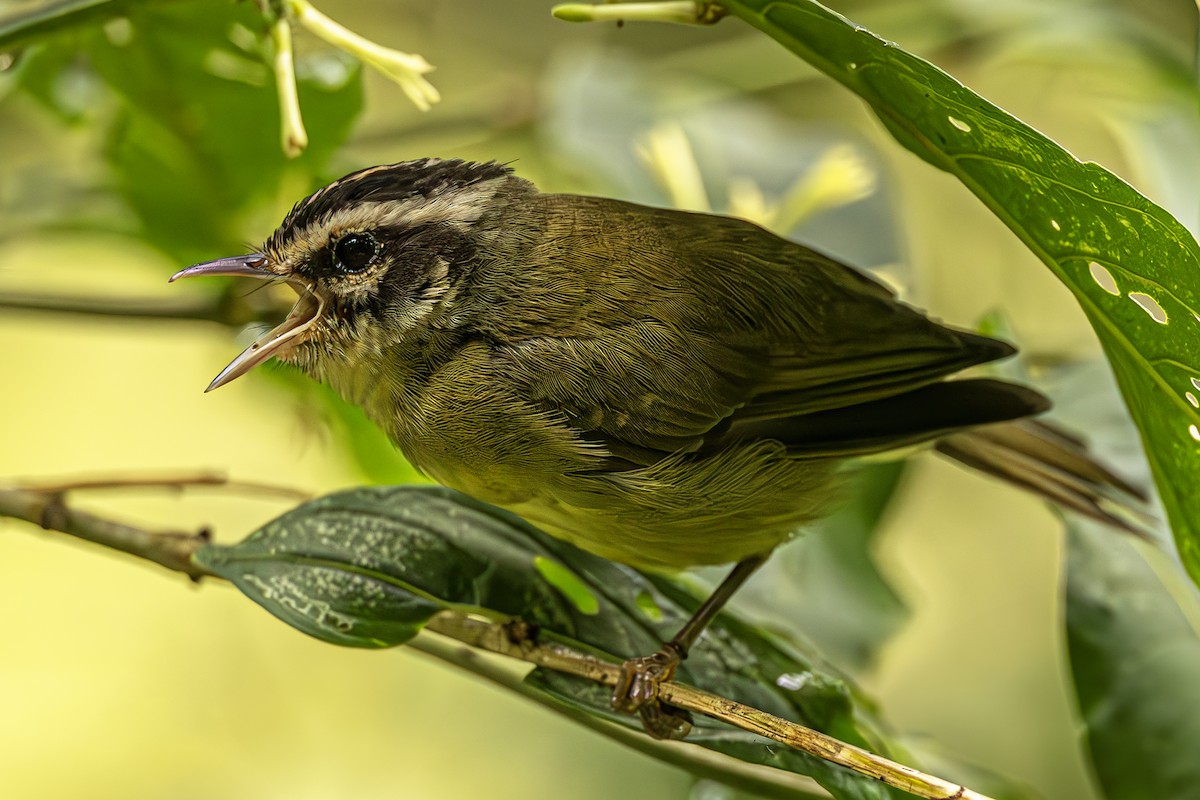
x: 662, y: 388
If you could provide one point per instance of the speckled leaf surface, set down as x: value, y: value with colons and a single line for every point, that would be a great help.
x: 1133, y: 268
x: 369, y: 567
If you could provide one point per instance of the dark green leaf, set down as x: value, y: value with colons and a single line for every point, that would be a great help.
x: 827, y: 582
x: 33, y: 23
x: 197, y: 143
x: 1092, y: 229
x: 368, y: 567
x: 1135, y: 660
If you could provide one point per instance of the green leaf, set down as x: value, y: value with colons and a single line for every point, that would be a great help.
x: 368, y: 567
x: 34, y: 23
x: 827, y: 581
x: 569, y: 584
x: 1133, y: 268
x: 1135, y: 660
x: 378, y: 459
x: 51, y: 75
x: 196, y: 145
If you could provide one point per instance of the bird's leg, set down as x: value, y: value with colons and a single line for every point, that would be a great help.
x: 640, y: 677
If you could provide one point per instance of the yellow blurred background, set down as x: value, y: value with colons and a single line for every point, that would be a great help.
x: 120, y: 680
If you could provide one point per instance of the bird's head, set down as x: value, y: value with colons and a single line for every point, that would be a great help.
x: 374, y: 257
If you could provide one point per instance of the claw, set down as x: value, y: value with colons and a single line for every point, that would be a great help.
x: 637, y: 692
x: 665, y: 722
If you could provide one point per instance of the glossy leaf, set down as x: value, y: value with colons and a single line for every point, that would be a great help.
x: 368, y: 567
x: 1134, y: 657
x: 1133, y: 268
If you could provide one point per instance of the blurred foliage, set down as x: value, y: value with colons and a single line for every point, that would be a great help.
x: 176, y: 108
x: 192, y: 143
x: 1135, y: 654
x: 838, y: 597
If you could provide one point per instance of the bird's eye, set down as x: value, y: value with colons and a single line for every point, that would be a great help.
x: 355, y: 252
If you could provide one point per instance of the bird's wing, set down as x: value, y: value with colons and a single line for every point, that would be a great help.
x: 697, y: 330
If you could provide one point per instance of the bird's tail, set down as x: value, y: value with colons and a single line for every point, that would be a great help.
x: 1055, y: 465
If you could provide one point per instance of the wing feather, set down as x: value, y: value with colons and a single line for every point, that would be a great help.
x: 690, y: 334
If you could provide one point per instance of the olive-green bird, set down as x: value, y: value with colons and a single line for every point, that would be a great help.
x: 662, y: 388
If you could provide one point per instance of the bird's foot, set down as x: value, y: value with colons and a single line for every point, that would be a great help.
x: 637, y: 692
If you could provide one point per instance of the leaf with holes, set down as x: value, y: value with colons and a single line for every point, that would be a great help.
x: 1133, y: 268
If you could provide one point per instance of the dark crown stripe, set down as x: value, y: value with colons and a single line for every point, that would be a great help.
x: 407, y: 179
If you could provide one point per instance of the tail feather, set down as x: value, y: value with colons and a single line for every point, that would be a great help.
x: 1049, y: 462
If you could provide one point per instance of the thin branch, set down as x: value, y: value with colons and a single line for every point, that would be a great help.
x: 496, y: 638
x: 174, y: 550
x: 292, y: 131
x: 171, y: 549
x: 184, y: 308
x: 159, y: 481
x: 223, y: 309
x: 757, y: 779
x: 680, y: 12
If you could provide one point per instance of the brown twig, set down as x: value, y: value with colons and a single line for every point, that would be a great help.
x: 180, y: 481
x: 233, y: 310
x: 496, y: 638
x: 174, y: 550
x: 49, y: 510
x: 759, y: 780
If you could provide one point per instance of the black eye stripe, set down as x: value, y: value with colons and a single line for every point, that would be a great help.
x: 354, y: 252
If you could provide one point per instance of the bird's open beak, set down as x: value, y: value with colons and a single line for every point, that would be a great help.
x: 299, y: 320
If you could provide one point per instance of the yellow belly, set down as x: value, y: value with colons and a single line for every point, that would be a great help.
x: 682, y: 511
